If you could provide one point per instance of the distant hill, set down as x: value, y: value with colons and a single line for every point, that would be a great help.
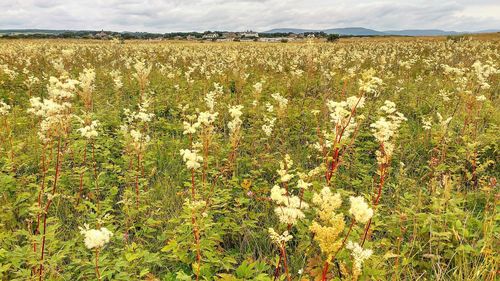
x: 32, y: 31
x: 291, y: 30
x: 421, y: 32
x: 361, y: 31
x: 353, y: 31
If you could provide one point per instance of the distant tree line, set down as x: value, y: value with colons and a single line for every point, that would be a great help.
x: 146, y: 35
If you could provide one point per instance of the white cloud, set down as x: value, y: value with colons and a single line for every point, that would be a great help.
x: 184, y: 15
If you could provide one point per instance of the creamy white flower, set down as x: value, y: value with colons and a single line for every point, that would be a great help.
x: 89, y: 131
x: 268, y: 128
x: 191, y: 158
x: 190, y: 128
x: 4, y: 108
x: 235, y: 124
x: 359, y: 254
x: 282, y: 101
x: 481, y: 98
x: 279, y: 239
x: 360, y: 210
x: 96, y: 238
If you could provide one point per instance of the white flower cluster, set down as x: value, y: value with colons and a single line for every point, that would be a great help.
x: 326, y: 200
x: 135, y: 123
x: 117, y: 79
x: 289, y: 209
x: 481, y: 98
x: 370, y: 84
x: 302, y: 184
x: 279, y: 239
x: 235, y: 124
x: 190, y: 128
x: 141, y: 72
x: 212, y: 95
x: 5, y: 69
x: 191, y: 158
x: 207, y: 118
x: 483, y: 72
x: 90, y: 131
x: 443, y: 122
x: 95, y: 238
x: 360, y: 210
x: 359, y: 255
x: 195, y: 205
x: 282, y: 101
x: 341, y: 114
x: 285, y: 165
x: 426, y: 123
x: 257, y: 87
x: 55, y: 111
x: 385, y: 128
x: 87, y: 78
x: 268, y: 126
x: 4, y: 108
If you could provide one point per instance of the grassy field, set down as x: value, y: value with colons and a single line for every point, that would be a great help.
x: 364, y: 159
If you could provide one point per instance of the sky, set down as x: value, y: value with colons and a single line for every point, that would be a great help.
x: 237, y: 15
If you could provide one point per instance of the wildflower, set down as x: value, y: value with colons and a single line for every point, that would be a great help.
x: 190, y: 128
x: 290, y: 207
x: 341, y: 114
x: 369, y: 83
x: 444, y: 122
x: 257, y: 87
x: 279, y: 239
x: 210, y: 96
x: 360, y: 210
x: 481, y: 98
x: 191, y: 158
x: 4, y: 108
x: 141, y: 72
x: 89, y: 131
x: 330, y: 224
x: 427, y: 123
x: 55, y: 111
x: 235, y: 112
x: 385, y: 128
x: 95, y: 238
x: 282, y: 101
x: 359, y: 255
x: 117, y: 79
x: 284, y: 167
x: 86, y: 79
x: 483, y: 71
x: 301, y: 184
x: 269, y: 126
x: 206, y: 118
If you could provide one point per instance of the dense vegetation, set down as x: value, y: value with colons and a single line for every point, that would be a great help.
x: 370, y: 160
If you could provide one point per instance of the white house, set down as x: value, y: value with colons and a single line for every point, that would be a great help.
x: 210, y: 36
x: 249, y: 34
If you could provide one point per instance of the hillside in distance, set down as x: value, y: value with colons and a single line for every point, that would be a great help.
x: 361, y: 31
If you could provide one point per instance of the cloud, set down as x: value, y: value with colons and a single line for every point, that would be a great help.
x: 183, y: 15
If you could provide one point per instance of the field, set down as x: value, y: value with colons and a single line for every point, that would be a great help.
x: 363, y: 159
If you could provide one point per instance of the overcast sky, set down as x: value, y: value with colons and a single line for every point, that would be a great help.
x: 260, y: 15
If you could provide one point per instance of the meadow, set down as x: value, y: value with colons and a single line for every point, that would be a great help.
x: 362, y: 159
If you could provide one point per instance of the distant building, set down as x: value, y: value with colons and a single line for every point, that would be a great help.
x: 101, y: 35
x: 249, y: 34
x: 210, y: 36
x: 273, y: 39
x: 191, y: 37
x: 229, y: 35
